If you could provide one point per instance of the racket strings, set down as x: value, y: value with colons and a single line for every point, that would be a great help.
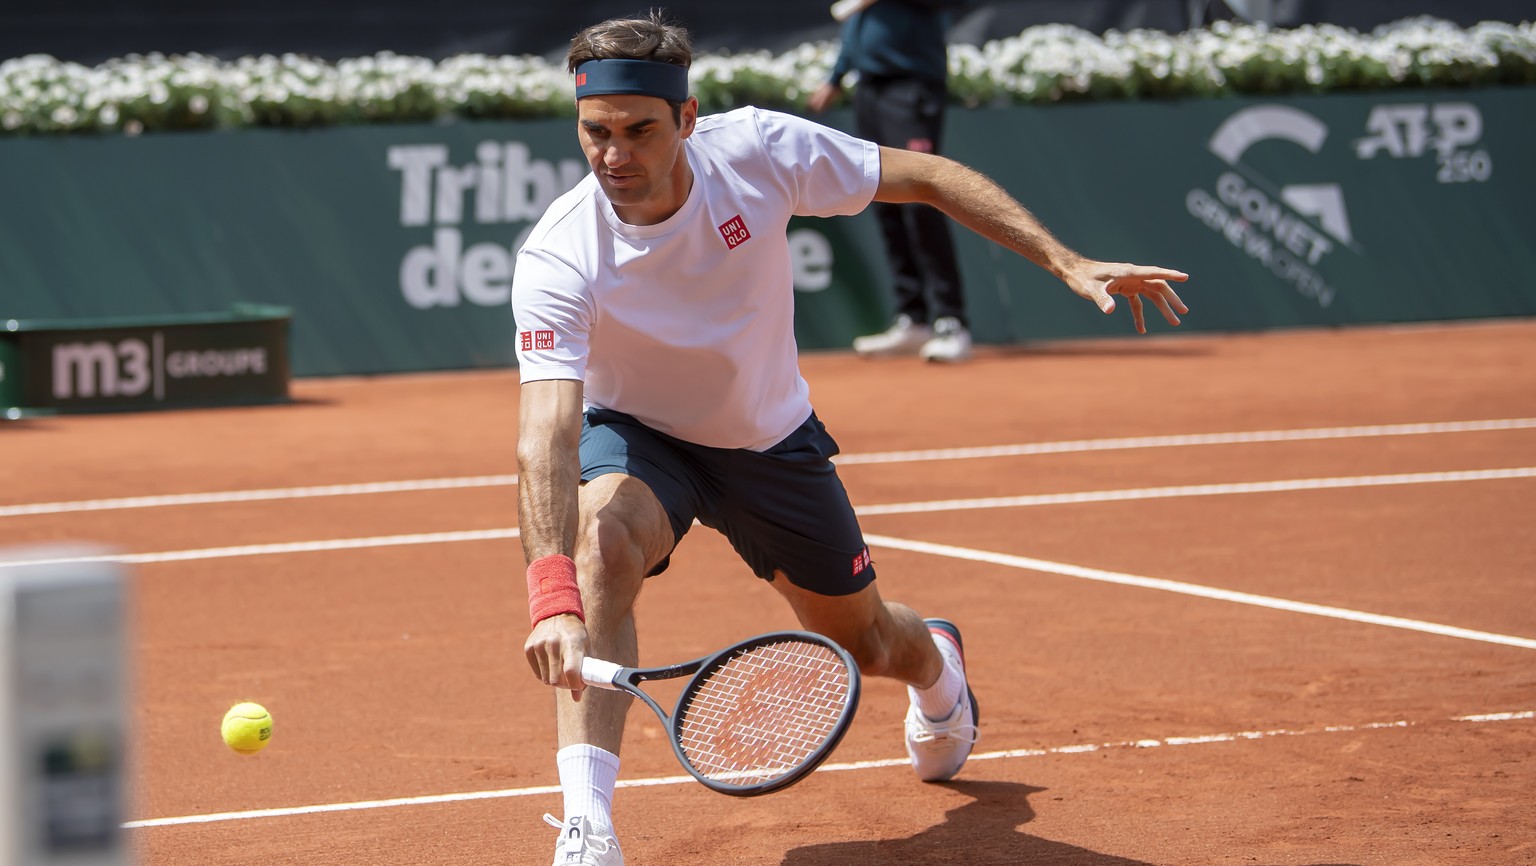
x: 765, y: 712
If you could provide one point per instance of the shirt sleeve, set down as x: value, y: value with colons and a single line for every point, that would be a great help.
x: 553, y: 311
x: 829, y: 172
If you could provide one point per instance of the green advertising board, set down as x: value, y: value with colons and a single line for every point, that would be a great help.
x: 129, y: 363
x: 1303, y: 211
x: 394, y: 245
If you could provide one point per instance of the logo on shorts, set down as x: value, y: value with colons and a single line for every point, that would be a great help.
x: 861, y: 561
x: 530, y: 341
x: 735, y: 232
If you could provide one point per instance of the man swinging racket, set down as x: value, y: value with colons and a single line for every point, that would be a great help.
x: 660, y: 385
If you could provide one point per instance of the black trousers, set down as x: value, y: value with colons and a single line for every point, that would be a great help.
x: 908, y: 113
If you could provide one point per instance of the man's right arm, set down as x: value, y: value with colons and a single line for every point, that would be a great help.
x: 549, y: 473
x: 548, y: 433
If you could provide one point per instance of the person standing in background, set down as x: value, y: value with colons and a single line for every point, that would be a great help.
x: 898, y: 49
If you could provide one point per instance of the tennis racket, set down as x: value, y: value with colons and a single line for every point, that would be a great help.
x: 756, y: 717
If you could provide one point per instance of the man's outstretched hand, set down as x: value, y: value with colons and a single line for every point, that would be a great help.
x: 1098, y: 281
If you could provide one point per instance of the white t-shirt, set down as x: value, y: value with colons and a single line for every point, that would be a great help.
x: 688, y: 325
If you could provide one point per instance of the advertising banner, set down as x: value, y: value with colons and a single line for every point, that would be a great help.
x: 1303, y: 211
x: 103, y: 365
x: 394, y: 245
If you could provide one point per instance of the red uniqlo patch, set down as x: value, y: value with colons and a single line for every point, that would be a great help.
x: 860, y: 561
x: 581, y: 78
x: 536, y: 340
x: 735, y: 231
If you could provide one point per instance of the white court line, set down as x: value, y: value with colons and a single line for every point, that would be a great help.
x: 1195, y: 589
x: 286, y: 547
x: 1179, y: 441
x: 1199, y: 490
x: 893, y: 508
x: 1070, y: 446
x: 1149, y: 743
x: 257, y: 495
x: 951, y: 551
x: 862, y: 511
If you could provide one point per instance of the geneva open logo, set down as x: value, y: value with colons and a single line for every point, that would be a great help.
x: 1292, y: 228
x: 1288, y: 228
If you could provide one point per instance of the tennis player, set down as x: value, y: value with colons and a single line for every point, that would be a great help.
x: 660, y: 385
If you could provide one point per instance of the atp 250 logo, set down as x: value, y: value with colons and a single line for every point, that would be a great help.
x: 1451, y: 129
x: 1291, y: 228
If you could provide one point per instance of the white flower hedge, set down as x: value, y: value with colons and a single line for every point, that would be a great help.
x: 1050, y: 63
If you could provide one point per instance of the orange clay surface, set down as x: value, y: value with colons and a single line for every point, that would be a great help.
x: 1129, y: 717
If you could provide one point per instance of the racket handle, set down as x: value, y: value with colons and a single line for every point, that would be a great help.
x: 597, y: 672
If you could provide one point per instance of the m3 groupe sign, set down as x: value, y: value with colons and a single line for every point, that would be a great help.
x: 102, y: 365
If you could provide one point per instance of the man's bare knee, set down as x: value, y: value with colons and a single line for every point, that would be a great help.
x: 610, y: 564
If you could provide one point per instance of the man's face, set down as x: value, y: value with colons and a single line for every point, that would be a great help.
x: 636, y: 151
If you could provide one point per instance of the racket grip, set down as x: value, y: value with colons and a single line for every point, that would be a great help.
x: 597, y: 672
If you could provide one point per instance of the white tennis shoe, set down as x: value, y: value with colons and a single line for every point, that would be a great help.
x: 903, y: 337
x: 938, y: 749
x: 580, y: 845
x: 950, y: 344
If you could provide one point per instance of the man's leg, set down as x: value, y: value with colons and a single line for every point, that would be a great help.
x: 624, y: 532
x: 786, y: 512
x: 889, y: 639
x: 933, y: 250
x: 873, y: 119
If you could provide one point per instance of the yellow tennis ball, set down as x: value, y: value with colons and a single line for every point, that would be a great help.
x: 247, y: 728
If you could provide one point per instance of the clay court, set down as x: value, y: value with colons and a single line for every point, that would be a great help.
x: 1227, y: 599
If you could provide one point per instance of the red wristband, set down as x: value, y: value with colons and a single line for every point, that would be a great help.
x: 552, y: 588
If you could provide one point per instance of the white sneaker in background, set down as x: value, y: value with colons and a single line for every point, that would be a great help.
x: 951, y: 342
x: 582, y: 845
x: 903, y: 337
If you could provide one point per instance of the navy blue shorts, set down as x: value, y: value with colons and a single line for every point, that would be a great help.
x: 784, y: 508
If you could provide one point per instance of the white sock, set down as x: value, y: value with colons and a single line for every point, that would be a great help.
x: 939, y: 700
x: 588, y: 776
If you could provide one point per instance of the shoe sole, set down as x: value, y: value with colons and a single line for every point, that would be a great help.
x: 889, y: 351
x: 952, y: 631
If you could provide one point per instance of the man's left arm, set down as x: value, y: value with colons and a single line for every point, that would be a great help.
x: 978, y: 203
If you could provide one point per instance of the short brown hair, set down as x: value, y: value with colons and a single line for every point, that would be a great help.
x: 649, y: 38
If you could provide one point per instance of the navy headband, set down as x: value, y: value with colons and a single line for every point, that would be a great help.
x: 642, y: 77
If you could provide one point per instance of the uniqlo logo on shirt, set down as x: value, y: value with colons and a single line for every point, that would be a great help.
x: 860, y: 561
x: 536, y: 340
x: 735, y: 232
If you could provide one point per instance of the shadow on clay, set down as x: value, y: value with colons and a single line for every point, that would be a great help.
x: 983, y: 832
